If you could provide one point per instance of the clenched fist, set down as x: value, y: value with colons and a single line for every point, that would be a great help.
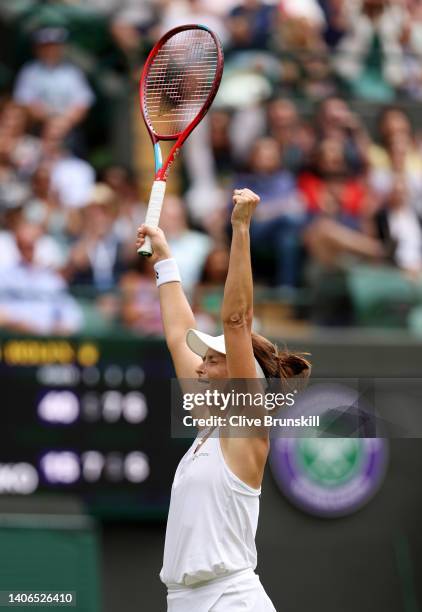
x: 244, y: 201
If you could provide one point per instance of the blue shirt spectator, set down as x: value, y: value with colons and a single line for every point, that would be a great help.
x: 33, y: 298
x: 50, y: 86
x: 278, y: 220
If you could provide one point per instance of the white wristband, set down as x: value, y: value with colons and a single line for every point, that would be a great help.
x: 166, y: 271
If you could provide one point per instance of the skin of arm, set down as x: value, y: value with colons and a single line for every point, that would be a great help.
x: 37, y: 111
x: 176, y: 312
x: 76, y: 115
x: 40, y: 114
x: 245, y: 456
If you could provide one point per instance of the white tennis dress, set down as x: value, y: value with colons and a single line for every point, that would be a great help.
x: 210, y: 553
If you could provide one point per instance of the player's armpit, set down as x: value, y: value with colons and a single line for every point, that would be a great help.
x: 246, y: 457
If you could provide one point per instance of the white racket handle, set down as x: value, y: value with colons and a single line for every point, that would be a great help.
x: 152, y: 218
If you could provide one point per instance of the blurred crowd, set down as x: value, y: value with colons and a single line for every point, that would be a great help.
x: 339, y: 188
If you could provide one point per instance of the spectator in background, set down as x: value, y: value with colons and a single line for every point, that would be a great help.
x: 8, y: 174
x: 221, y: 142
x: 305, y: 66
x: 72, y: 178
x: 295, y: 139
x: 23, y: 148
x: 335, y: 120
x: 330, y: 189
x: 251, y: 25
x: 97, y: 259
x: 47, y: 252
x: 412, y: 49
x: 208, y: 296
x: 180, y: 12
x: 278, y: 119
x: 140, y: 304
x: 34, y: 299
x: 50, y: 86
x: 190, y: 248
x: 399, y: 228
x: 278, y: 220
x: 336, y: 21
x: 130, y: 211
x: 309, y: 10
x: 43, y: 207
x: 216, y: 266
x: 396, y: 153
x: 338, y: 209
x: 330, y: 244
x: 370, y: 55
x: 131, y: 21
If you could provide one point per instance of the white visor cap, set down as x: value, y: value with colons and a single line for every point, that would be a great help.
x: 199, y: 343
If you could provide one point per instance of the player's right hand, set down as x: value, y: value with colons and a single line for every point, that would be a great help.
x: 244, y: 203
x: 161, y: 249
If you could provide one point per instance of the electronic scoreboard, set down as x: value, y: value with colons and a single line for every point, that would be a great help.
x: 91, y: 418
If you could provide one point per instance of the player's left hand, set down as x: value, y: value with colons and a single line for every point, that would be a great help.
x: 245, y: 201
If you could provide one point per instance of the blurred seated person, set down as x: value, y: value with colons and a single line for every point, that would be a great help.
x: 208, y: 296
x: 23, y: 148
x: 398, y: 226
x: 34, y: 299
x: 50, y: 86
x: 335, y: 119
x: 97, y: 260
x: 330, y: 189
x: 43, y: 206
x: 396, y: 152
x: 338, y: 209
x: 216, y: 267
x: 296, y: 139
x: 140, y: 304
x: 8, y: 174
x: 412, y: 48
x: 277, y: 224
x: 336, y: 21
x: 310, y: 10
x: 130, y: 22
x: 71, y: 178
x: 305, y: 65
x: 131, y: 210
x: 331, y: 244
x: 221, y: 142
x: 251, y: 24
x: 179, y: 12
x: 190, y: 247
x: 14, y: 203
x: 369, y: 57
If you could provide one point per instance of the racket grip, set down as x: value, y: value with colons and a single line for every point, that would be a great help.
x: 153, y: 214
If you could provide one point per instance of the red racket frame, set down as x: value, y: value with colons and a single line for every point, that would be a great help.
x: 161, y: 173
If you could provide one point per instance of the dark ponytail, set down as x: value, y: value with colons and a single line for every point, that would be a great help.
x: 279, y: 364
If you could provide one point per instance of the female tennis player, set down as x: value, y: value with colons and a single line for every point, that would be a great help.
x: 210, y: 554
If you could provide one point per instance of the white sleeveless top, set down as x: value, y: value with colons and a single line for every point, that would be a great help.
x: 212, y: 520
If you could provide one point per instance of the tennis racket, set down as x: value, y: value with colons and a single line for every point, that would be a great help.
x: 178, y: 84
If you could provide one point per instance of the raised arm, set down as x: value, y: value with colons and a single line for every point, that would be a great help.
x: 245, y: 454
x: 237, y: 309
x: 176, y: 312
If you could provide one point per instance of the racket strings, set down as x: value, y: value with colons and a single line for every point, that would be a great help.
x: 179, y: 81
